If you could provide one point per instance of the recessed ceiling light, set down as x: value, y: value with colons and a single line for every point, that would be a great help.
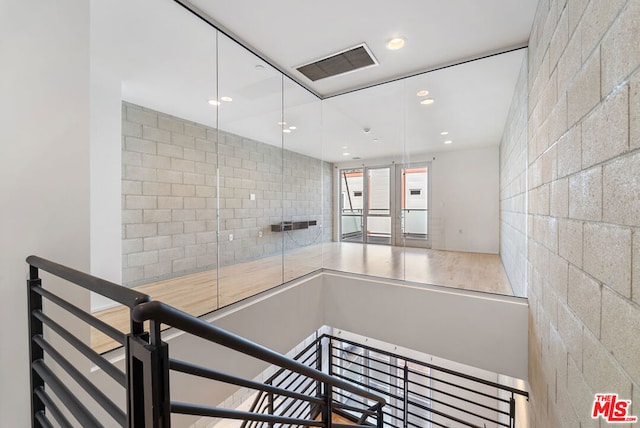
x: 226, y: 99
x: 293, y: 127
x: 427, y: 101
x: 444, y: 133
x: 259, y: 67
x: 395, y: 43
x: 345, y: 147
x: 282, y: 123
x: 286, y: 131
x: 448, y: 142
x: 422, y: 93
x: 376, y: 140
x: 346, y: 154
x: 214, y: 102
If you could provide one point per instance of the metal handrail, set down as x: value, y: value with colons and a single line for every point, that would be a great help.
x: 173, y: 317
x: 115, y: 292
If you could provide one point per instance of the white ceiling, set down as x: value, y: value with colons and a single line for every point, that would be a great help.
x: 170, y: 61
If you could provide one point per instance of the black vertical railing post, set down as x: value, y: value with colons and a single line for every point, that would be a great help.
x: 35, y: 352
x: 512, y: 411
x: 405, y: 404
x: 148, y: 400
x: 380, y: 416
x: 270, y: 406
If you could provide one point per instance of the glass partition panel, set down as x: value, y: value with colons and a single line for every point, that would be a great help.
x: 363, y: 137
x: 306, y: 180
x: 150, y: 87
x: 250, y: 158
x: 449, y: 207
x: 168, y: 153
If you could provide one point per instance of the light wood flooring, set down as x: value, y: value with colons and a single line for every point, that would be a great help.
x: 202, y: 292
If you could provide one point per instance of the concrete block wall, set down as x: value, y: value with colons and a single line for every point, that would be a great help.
x: 513, y: 188
x: 583, y: 208
x: 171, y: 203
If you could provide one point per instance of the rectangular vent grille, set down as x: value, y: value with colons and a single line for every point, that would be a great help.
x: 343, y: 62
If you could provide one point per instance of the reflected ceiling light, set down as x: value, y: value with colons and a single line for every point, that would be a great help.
x: 376, y: 140
x: 422, y: 93
x: 282, y: 123
x: 226, y: 99
x: 293, y: 127
x: 346, y: 154
x: 345, y: 147
x: 448, y: 142
x: 427, y: 101
x: 395, y: 43
x: 214, y: 102
x: 286, y: 131
x: 444, y: 133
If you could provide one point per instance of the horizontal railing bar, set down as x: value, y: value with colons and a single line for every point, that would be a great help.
x: 194, y: 370
x: 52, y: 407
x: 307, y: 348
x: 445, y: 415
x: 431, y: 421
x: 460, y: 409
x: 343, y: 369
x: 79, y: 411
x: 435, y: 379
x: 369, y: 367
x: 433, y: 366
x: 114, y: 411
x: 378, y: 390
x: 93, y: 356
x: 171, y: 316
x: 493, y: 409
x: 110, y: 331
x: 339, y: 425
x: 42, y: 419
x: 303, y: 390
x: 357, y: 400
x: 118, y: 293
x: 198, y: 410
x: 343, y: 406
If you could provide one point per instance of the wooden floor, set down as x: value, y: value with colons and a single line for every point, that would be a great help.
x: 203, y: 292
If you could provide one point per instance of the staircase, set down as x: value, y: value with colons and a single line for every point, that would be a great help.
x: 331, y: 383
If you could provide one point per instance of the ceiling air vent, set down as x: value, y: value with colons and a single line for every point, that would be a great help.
x: 348, y: 60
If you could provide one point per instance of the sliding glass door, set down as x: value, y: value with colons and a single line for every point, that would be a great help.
x: 365, y: 212
x: 413, y: 205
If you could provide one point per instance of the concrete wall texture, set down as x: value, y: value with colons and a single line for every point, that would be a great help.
x: 171, y: 198
x: 583, y: 207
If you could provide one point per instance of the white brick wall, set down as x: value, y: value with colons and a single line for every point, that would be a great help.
x: 584, y: 177
x: 170, y: 197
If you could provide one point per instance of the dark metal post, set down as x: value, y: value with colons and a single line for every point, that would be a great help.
x: 148, y: 397
x: 405, y: 403
x: 380, y: 417
x: 512, y: 411
x: 270, y: 407
x: 35, y: 352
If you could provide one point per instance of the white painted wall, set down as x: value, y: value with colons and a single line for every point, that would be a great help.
x: 106, y: 142
x: 478, y: 329
x: 464, y: 201
x: 44, y: 172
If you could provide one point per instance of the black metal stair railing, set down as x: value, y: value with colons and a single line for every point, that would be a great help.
x: 417, y: 393
x: 145, y: 381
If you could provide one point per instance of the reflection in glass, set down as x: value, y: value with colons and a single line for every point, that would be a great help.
x: 250, y: 159
x: 352, y: 204
x: 306, y: 179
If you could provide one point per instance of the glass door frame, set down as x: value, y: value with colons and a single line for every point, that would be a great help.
x: 365, y: 213
x: 399, y: 232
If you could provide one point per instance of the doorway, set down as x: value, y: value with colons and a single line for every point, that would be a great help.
x: 366, y: 205
x: 386, y: 205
